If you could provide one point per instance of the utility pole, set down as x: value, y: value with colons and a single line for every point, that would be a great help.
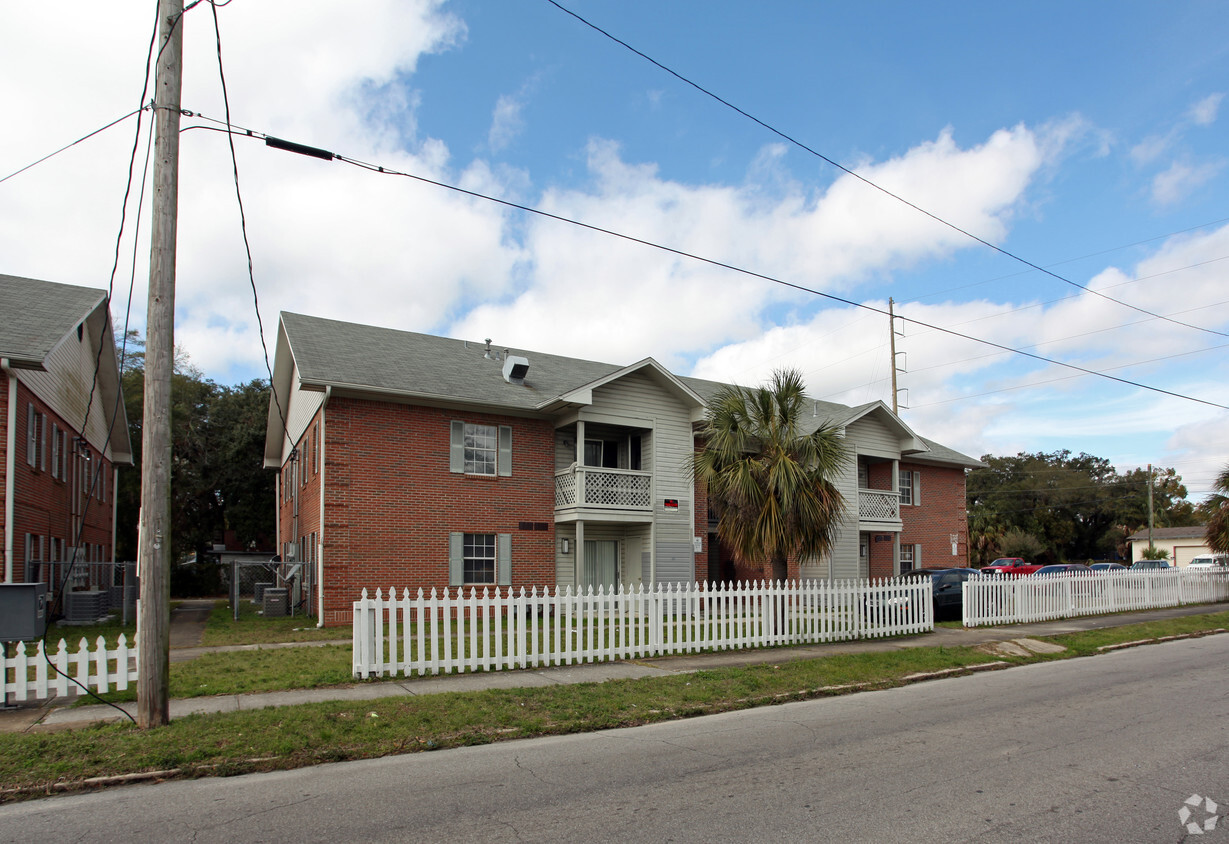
x: 1150, y: 546
x: 153, y: 556
x: 892, y: 342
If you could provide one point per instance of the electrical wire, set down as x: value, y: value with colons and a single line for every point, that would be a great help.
x: 247, y: 247
x: 327, y: 155
x: 867, y: 181
x: 83, y: 138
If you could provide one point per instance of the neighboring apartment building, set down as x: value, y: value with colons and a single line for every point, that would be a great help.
x: 407, y: 460
x: 62, y: 424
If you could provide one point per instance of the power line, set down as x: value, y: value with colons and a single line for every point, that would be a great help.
x: 327, y: 155
x: 247, y: 247
x: 83, y: 138
x: 867, y: 181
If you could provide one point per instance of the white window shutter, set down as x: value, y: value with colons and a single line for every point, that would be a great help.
x: 917, y: 488
x: 503, y: 559
x: 456, y: 447
x: 505, y: 450
x: 456, y: 559
x: 917, y: 556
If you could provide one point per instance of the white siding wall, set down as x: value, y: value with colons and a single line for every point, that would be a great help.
x: 666, y: 453
x: 870, y: 436
x: 300, y: 410
x: 65, y: 386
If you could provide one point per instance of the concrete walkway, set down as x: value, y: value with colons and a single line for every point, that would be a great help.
x: 57, y: 714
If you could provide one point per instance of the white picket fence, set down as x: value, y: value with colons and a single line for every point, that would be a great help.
x: 500, y: 629
x: 1012, y: 600
x: 28, y: 676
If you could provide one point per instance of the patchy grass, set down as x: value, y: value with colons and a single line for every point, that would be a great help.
x: 252, y: 628
x: 288, y: 737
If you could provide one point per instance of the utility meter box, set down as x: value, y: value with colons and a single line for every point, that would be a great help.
x: 23, y: 611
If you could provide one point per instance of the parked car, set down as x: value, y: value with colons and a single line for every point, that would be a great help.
x: 1149, y: 565
x: 1210, y: 562
x: 946, y: 591
x: 1014, y: 566
x: 1107, y: 567
x: 1061, y: 568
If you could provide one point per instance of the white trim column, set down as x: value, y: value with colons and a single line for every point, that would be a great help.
x: 580, y: 554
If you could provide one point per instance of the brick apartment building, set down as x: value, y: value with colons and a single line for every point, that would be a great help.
x: 63, y: 430
x: 407, y: 460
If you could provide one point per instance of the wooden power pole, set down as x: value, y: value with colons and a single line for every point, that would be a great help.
x: 153, y: 556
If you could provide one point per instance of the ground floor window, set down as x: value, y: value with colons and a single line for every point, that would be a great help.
x: 906, y: 558
x: 478, y: 552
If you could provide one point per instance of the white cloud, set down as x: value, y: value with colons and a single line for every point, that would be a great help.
x: 668, y: 306
x: 1180, y: 180
x: 1203, y: 113
x: 506, y: 122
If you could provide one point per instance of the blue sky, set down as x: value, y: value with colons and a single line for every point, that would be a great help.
x: 1087, y: 138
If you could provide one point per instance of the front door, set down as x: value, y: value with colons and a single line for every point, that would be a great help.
x: 601, y: 563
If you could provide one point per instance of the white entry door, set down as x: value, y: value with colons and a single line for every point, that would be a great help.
x: 601, y: 563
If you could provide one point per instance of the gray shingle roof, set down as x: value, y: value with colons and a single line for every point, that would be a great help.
x: 365, y: 358
x: 48, y: 312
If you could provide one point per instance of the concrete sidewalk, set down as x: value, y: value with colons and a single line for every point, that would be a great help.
x: 59, y: 713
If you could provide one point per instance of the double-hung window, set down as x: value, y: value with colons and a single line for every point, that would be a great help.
x: 906, y: 558
x: 479, y: 556
x: 36, y: 438
x: 481, y: 449
x: 476, y: 559
x: 910, y: 487
x: 476, y: 449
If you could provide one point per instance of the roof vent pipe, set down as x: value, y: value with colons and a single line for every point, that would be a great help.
x: 487, y: 353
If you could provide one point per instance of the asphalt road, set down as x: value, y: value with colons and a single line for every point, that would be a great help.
x: 1101, y: 749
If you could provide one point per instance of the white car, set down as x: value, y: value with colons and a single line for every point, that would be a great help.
x: 1210, y: 562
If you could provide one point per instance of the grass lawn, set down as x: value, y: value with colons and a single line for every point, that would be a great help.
x: 252, y: 628
x: 33, y: 764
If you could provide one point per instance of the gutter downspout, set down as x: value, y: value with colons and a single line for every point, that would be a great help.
x: 10, y: 468
x: 320, y: 441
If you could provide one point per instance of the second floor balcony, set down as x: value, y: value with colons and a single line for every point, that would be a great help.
x: 876, y: 505
x: 606, y: 489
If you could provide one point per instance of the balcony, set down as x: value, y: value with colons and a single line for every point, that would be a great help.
x: 606, y: 489
x: 876, y: 505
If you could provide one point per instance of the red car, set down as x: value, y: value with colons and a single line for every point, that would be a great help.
x: 1013, y: 566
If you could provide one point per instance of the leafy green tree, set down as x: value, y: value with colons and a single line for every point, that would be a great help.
x: 768, y: 479
x: 217, y: 444
x: 1216, y: 512
x: 1017, y: 543
x: 1078, y: 506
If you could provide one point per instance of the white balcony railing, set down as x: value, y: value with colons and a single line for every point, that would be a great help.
x: 878, y: 505
x: 587, y: 486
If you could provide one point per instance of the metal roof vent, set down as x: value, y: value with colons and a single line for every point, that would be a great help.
x: 515, y: 368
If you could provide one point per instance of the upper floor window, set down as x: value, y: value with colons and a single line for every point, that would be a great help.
x: 480, y: 449
x: 36, y: 438
x: 864, y: 476
x: 481, y: 452
x: 910, y: 487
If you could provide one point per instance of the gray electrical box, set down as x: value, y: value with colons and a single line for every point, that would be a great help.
x: 23, y: 611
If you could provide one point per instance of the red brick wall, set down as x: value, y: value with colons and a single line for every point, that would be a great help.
x: 940, y: 514
x: 42, y: 504
x: 391, y: 501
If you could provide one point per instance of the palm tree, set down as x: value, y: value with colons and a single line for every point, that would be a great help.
x: 770, y: 480
x: 1218, y: 508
